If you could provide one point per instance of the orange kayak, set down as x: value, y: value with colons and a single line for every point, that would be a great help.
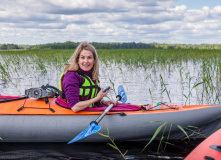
x: 34, y: 120
x: 209, y: 149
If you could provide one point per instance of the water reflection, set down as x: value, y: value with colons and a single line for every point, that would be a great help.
x: 93, y: 151
x: 183, y: 83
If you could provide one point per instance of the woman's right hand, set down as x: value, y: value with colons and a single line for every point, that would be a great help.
x: 84, y: 104
x: 101, y: 94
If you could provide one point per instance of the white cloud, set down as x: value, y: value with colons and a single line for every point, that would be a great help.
x: 44, y: 21
x: 197, y: 15
x: 216, y: 11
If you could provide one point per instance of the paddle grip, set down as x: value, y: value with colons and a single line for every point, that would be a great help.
x: 106, y: 110
x: 118, y: 96
x: 94, y: 122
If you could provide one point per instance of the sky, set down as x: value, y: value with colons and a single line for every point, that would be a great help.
x: 147, y: 21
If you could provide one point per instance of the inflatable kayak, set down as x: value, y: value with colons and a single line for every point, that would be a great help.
x: 25, y: 119
x: 209, y: 149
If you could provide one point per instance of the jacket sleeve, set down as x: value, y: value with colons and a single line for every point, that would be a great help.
x: 71, y: 83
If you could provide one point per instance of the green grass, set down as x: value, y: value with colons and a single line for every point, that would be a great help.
x: 206, y: 84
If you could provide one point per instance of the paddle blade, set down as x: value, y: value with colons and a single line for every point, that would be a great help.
x: 93, y: 128
x: 122, y: 93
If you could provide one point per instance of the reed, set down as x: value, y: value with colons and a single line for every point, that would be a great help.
x: 164, y: 140
x: 164, y: 88
x: 113, y: 144
x: 198, y: 73
x: 151, y: 67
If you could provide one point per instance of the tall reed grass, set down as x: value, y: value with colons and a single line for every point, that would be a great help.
x: 198, y: 71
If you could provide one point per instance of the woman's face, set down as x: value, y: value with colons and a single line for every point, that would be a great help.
x: 86, y: 60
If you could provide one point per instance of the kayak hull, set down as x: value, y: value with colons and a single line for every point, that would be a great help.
x: 210, y: 148
x: 43, y: 125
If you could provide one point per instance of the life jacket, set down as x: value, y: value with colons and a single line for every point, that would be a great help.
x: 88, y: 89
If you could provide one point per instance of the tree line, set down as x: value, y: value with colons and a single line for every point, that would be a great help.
x: 9, y: 46
x: 113, y: 45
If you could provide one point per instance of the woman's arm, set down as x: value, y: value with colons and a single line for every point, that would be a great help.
x: 70, y: 85
x: 81, y: 105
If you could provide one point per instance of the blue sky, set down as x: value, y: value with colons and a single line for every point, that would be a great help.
x: 147, y: 21
x: 198, y: 4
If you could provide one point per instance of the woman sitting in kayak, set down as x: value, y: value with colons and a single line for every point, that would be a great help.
x: 79, y: 81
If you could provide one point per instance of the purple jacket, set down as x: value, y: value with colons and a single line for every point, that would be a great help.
x: 70, y: 85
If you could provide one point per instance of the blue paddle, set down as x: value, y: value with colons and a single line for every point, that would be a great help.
x: 94, y: 127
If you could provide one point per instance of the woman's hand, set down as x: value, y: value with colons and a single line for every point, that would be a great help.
x: 110, y: 102
x: 84, y: 104
x: 107, y: 103
x: 101, y: 94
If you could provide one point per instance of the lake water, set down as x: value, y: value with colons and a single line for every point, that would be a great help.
x: 176, y: 83
x: 94, y: 151
x: 182, y: 83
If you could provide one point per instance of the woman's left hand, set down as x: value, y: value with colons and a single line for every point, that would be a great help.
x: 110, y: 102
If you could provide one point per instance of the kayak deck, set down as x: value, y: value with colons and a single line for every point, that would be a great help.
x: 32, y: 106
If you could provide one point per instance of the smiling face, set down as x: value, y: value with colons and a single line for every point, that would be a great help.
x: 86, y: 60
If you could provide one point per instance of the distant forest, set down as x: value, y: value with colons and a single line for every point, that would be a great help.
x: 99, y: 45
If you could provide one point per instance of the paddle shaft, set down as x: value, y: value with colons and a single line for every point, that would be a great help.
x: 94, y: 127
x: 106, y: 110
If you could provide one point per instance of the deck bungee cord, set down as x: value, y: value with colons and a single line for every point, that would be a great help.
x: 91, y: 114
x: 3, y: 99
x: 160, y: 106
x: 41, y: 92
x: 47, y: 91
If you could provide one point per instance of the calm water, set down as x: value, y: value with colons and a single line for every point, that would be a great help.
x: 94, y: 151
x: 175, y: 84
x: 143, y: 85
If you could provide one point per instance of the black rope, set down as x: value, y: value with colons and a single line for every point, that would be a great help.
x: 46, y: 101
x: 60, y: 114
x: 167, y: 105
x: 11, y: 100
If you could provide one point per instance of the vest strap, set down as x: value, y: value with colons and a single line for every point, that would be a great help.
x: 93, y: 89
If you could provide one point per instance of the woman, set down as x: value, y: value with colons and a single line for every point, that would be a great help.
x: 79, y: 82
